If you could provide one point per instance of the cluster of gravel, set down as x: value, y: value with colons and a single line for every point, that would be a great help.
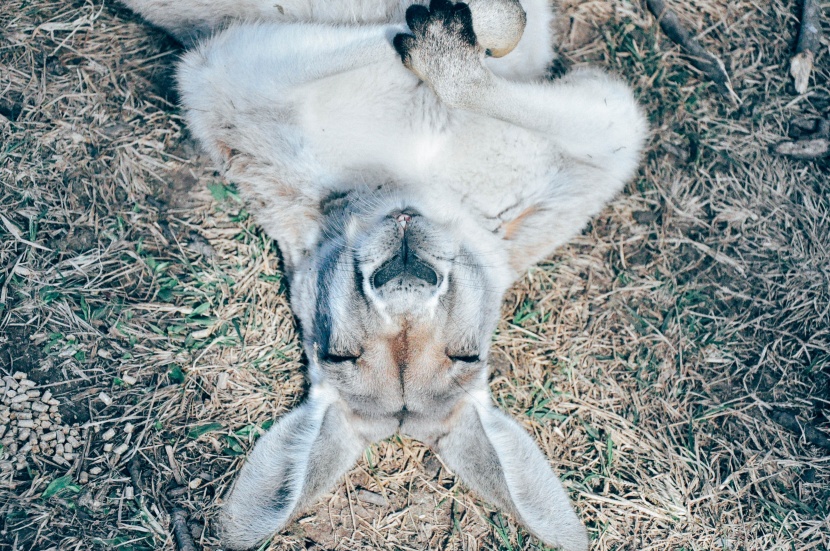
x: 30, y: 424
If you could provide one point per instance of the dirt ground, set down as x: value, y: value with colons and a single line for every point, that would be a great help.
x: 672, y: 362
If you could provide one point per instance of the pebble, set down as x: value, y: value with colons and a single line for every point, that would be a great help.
x: 95, y: 471
x: 48, y: 436
x: 33, y: 393
x: 60, y: 436
x: 83, y: 478
x: 19, y: 399
x: 19, y: 375
x: 39, y: 407
x: 23, y: 434
x: 25, y: 423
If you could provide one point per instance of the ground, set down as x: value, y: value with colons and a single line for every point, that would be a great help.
x: 672, y: 361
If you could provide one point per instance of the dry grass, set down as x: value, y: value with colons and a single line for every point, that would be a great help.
x: 645, y: 358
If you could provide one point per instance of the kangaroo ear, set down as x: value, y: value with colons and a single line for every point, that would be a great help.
x: 496, y: 458
x: 298, y: 459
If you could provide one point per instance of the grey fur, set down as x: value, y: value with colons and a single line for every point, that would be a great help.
x: 450, y: 190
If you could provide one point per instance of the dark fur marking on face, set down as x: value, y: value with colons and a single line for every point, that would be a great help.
x: 399, y: 347
x: 335, y: 200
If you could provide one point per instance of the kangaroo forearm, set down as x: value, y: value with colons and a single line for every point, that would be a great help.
x: 590, y: 115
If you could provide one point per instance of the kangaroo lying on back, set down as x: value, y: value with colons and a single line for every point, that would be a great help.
x: 409, y: 173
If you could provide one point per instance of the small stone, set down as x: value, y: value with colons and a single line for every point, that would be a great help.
x: 25, y: 423
x: 94, y: 471
x: 20, y: 398
x: 83, y: 478
x: 195, y: 483
x: 70, y: 456
x: 59, y: 449
x: 68, y: 448
x: 104, y: 397
x: 49, y: 436
x: 73, y: 441
x: 39, y: 407
x: 23, y: 415
x: 109, y: 434
x: 33, y: 393
x: 61, y: 437
x: 11, y: 393
x: 47, y: 395
x: 19, y: 375
x: 23, y: 434
x: 26, y: 383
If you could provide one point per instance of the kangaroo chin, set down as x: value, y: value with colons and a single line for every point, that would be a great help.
x: 411, y: 162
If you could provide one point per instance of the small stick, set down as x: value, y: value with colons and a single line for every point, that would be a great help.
x: 173, y: 465
x: 813, y: 140
x: 181, y: 531
x: 803, y: 149
x: 707, y: 63
x: 809, y: 39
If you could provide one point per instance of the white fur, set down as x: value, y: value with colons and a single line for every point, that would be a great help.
x: 308, y: 100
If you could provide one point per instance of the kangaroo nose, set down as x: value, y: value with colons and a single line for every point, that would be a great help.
x: 403, y: 219
x: 404, y: 265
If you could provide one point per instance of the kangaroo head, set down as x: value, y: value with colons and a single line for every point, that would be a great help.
x: 397, y: 302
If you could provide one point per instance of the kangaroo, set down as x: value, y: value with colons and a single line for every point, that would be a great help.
x: 411, y: 162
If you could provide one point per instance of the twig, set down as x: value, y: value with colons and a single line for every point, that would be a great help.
x: 813, y: 140
x: 181, y: 531
x: 177, y: 475
x: 789, y: 422
x: 134, y: 468
x: 809, y: 39
x: 709, y: 64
